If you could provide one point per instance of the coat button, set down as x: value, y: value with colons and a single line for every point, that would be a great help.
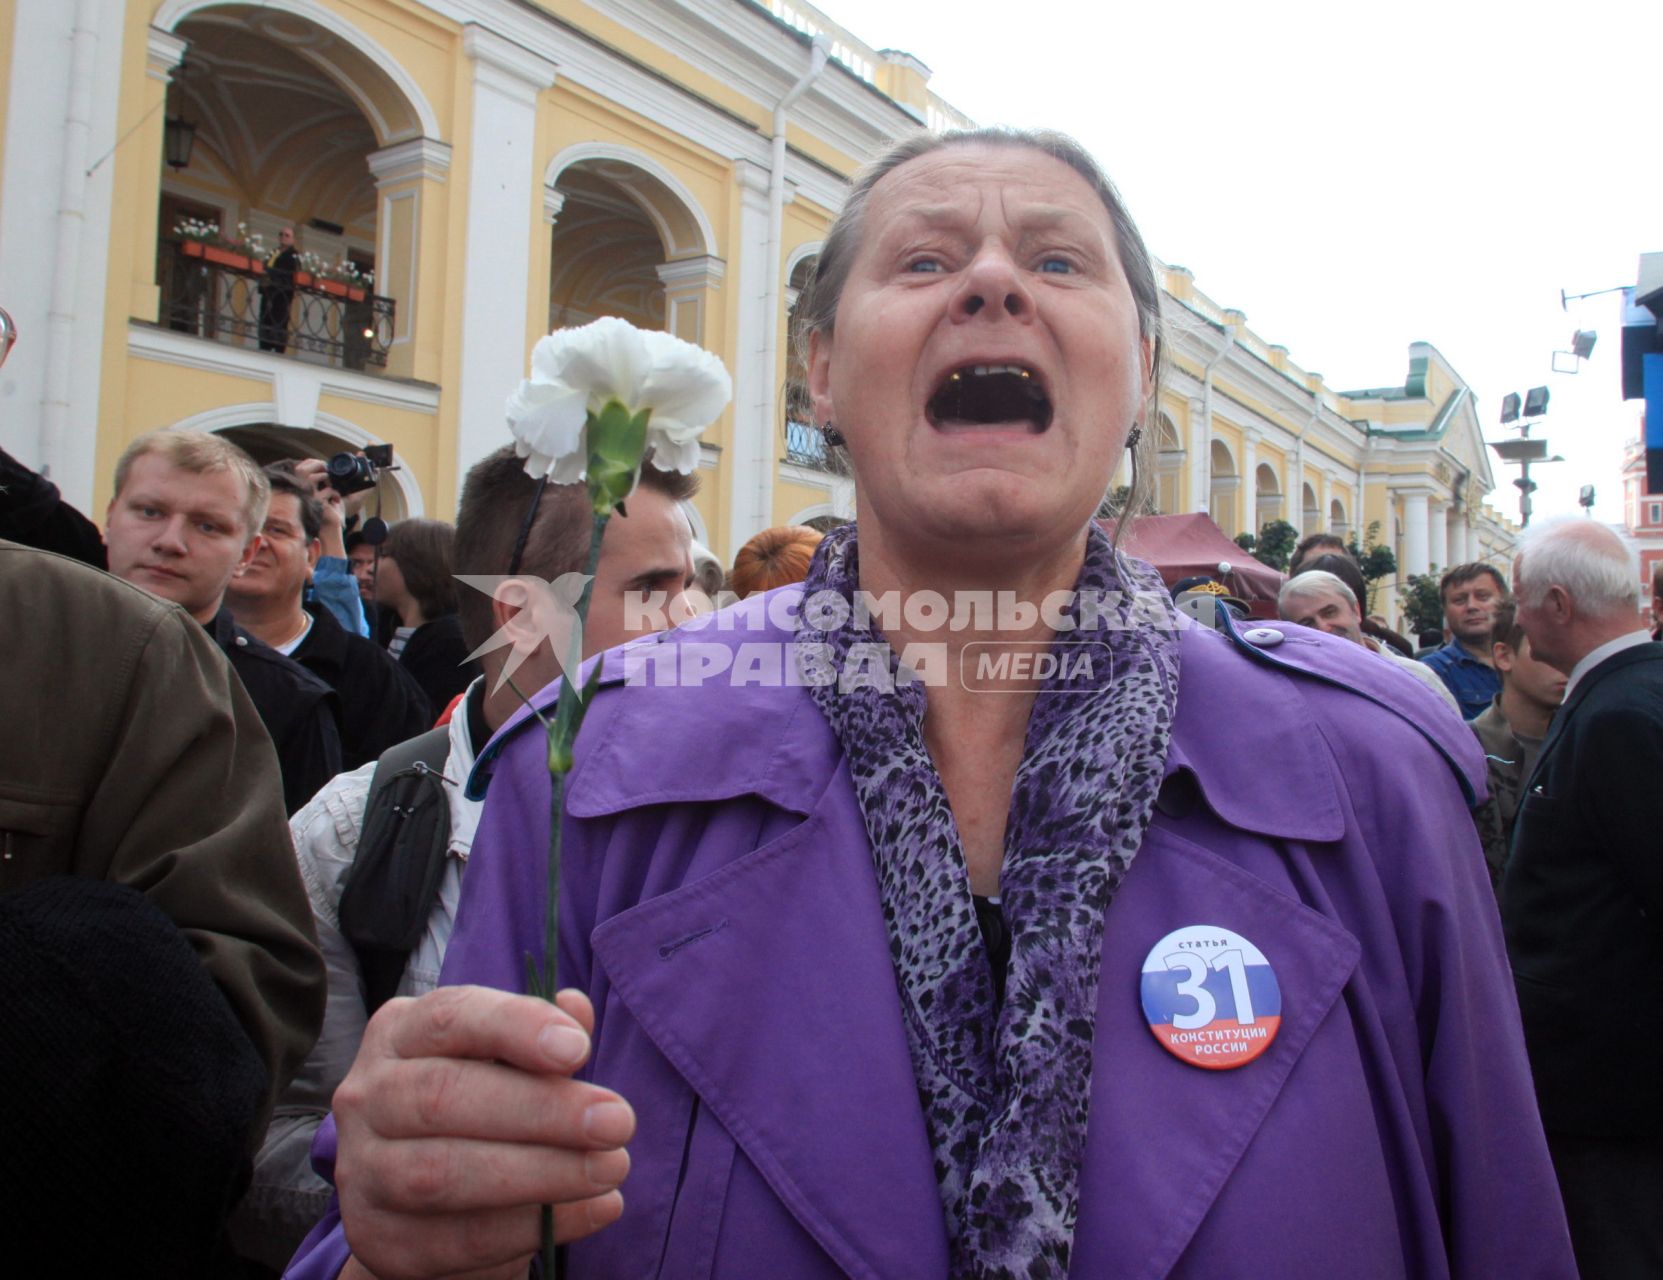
x: 242, y: 640
x: 1264, y: 637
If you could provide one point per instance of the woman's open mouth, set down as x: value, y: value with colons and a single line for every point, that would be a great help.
x: 983, y: 395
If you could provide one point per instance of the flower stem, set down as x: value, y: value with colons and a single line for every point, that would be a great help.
x: 562, y: 734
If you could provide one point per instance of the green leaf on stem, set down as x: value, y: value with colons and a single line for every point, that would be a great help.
x: 617, y: 444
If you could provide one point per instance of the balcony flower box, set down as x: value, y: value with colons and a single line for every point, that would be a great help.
x: 303, y: 279
x: 335, y: 287
x: 225, y: 257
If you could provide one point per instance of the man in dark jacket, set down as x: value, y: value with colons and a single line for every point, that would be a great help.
x: 378, y: 702
x: 1582, y: 895
x: 184, y: 522
x: 277, y: 293
x: 141, y: 823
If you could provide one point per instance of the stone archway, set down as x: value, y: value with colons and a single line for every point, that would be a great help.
x: 253, y: 428
x: 1221, y: 497
x: 382, y: 90
x: 295, y: 113
x: 1267, y: 497
x: 628, y: 240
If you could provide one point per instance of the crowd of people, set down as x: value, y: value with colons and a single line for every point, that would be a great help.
x: 1252, y: 948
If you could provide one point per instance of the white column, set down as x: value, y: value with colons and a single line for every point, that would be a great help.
x: 1325, y: 503
x: 752, y: 429
x: 1249, y: 515
x: 502, y: 177
x: 1460, y: 539
x: 1415, y: 549
x: 404, y: 174
x: 1438, y: 516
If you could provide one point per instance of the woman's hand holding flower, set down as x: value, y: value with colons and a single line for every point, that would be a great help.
x: 459, y: 1118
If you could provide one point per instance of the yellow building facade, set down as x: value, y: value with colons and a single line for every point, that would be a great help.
x: 1250, y: 437
x: 464, y: 175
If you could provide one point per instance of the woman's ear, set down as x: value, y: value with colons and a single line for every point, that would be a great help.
x: 819, y: 376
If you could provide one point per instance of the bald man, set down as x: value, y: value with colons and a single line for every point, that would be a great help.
x: 1582, y: 895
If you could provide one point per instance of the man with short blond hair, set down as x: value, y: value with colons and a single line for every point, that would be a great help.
x: 183, y: 524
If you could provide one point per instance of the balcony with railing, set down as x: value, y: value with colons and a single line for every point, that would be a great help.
x: 805, y: 446
x: 228, y: 297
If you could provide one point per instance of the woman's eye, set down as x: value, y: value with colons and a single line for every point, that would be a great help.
x: 1056, y: 266
x: 924, y: 265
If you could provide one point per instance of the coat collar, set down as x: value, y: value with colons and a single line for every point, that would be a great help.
x: 1650, y: 651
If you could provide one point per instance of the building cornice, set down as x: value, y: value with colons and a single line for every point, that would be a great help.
x: 149, y: 342
x: 417, y: 158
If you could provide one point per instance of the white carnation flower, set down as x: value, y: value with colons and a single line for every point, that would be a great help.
x: 576, y: 372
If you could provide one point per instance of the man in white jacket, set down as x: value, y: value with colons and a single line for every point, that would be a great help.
x: 522, y: 535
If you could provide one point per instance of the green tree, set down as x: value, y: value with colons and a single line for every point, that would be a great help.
x: 1423, y: 605
x: 1275, y: 544
x: 1375, y: 559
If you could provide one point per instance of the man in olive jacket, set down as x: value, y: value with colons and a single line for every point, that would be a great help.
x: 132, y: 754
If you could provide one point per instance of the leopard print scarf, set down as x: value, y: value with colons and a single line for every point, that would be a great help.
x: 1005, y: 1089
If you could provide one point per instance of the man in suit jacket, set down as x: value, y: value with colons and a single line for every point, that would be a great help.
x: 1582, y: 899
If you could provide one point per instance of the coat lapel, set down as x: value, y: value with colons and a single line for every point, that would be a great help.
x: 795, y: 1039
x: 1649, y: 652
x: 1191, y: 1125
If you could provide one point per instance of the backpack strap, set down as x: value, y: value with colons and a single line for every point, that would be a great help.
x: 400, y: 861
x: 431, y: 749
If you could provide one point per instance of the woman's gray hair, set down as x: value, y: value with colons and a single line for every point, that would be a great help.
x: 817, y: 308
x: 1593, y: 563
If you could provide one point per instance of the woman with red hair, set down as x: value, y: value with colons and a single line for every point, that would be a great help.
x: 774, y: 558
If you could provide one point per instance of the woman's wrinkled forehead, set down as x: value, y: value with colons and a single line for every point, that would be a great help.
x: 963, y: 176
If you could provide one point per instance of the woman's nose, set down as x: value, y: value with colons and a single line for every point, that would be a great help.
x: 992, y: 280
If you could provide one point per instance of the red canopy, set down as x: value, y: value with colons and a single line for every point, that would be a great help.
x: 1183, y: 546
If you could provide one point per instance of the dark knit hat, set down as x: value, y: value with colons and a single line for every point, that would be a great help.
x: 127, y: 1087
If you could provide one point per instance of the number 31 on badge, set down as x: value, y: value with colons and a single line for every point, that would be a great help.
x: 1211, y: 997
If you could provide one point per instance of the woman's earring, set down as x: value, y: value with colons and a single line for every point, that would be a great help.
x: 1133, y: 436
x: 833, y: 436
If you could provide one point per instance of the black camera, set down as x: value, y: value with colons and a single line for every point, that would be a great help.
x: 351, y: 473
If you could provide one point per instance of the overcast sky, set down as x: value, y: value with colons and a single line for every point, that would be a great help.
x: 1359, y: 177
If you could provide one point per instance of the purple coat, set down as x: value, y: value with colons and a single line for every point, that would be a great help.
x: 720, y: 906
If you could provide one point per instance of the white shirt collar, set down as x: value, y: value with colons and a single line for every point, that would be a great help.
x: 464, y: 813
x: 1594, y: 657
